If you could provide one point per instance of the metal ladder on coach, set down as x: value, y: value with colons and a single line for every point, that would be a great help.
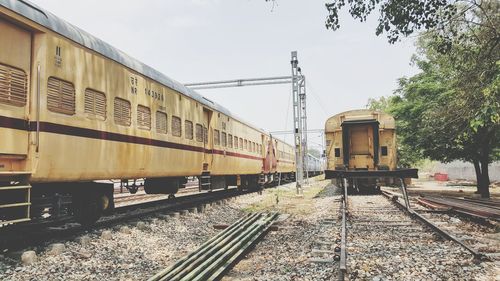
x: 15, y: 197
x: 205, y: 182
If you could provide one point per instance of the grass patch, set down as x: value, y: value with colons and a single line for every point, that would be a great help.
x: 286, y: 200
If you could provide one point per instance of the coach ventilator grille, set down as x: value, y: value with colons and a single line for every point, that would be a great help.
x: 13, y: 86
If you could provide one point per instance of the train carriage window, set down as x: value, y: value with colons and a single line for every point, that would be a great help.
x: 13, y: 86
x: 122, y: 112
x: 161, y: 122
x: 216, y: 137
x: 241, y: 143
x: 223, y: 139
x: 236, y: 142
x: 188, y: 128
x: 205, y: 134
x: 253, y: 146
x: 230, y: 141
x: 95, y: 104
x: 176, y: 126
x: 143, y: 117
x: 199, y: 133
x: 246, y: 145
x: 60, y: 96
x: 383, y: 150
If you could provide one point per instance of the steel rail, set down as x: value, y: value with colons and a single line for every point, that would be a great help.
x: 214, y: 257
x: 343, y: 242
x: 394, y: 198
x: 189, y: 261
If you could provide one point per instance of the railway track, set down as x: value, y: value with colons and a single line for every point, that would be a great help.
x: 22, y: 236
x: 381, y: 238
x: 479, y: 237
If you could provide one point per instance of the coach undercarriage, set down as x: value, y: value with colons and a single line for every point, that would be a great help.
x: 88, y: 201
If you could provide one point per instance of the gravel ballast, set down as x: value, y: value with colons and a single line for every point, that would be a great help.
x: 287, y: 254
x: 133, y: 251
x: 383, y: 243
x: 386, y: 244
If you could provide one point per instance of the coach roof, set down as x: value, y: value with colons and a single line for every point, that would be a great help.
x: 54, y: 23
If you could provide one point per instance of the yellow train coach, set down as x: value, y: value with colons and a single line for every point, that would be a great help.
x: 74, y: 110
x: 361, y: 148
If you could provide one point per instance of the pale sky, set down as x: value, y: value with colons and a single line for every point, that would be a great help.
x: 211, y: 40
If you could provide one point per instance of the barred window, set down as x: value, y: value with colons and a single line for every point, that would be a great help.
x: 13, y: 86
x: 241, y: 143
x: 188, y: 128
x: 224, y: 139
x: 216, y: 137
x: 246, y: 145
x: 230, y: 141
x: 60, y: 96
x: 161, y: 122
x: 122, y: 112
x: 235, y: 142
x: 199, y: 132
x: 253, y: 147
x: 95, y: 104
x: 205, y: 134
x: 143, y: 117
x: 176, y: 126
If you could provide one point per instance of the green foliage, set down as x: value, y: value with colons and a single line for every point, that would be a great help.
x: 378, y: 104
x: 397, y: 18
x: 451, y: 110
x: 402, y: 18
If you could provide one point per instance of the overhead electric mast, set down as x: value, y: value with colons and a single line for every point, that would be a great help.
x: 298, y: 81
x: 299, y: 120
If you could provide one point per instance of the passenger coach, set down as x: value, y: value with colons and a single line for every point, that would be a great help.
x: 74, y: 110
x: 361, y: 147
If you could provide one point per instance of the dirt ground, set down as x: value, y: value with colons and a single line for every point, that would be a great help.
x: 449, y: 188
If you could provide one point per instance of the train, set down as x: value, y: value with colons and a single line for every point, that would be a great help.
x: 361, y: 150
x: 314, y: 165
x: 76, y: 112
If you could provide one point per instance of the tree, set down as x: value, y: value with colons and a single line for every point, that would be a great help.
x: 379, y: 104
x: 403, y: 18
x: 452, y: 109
